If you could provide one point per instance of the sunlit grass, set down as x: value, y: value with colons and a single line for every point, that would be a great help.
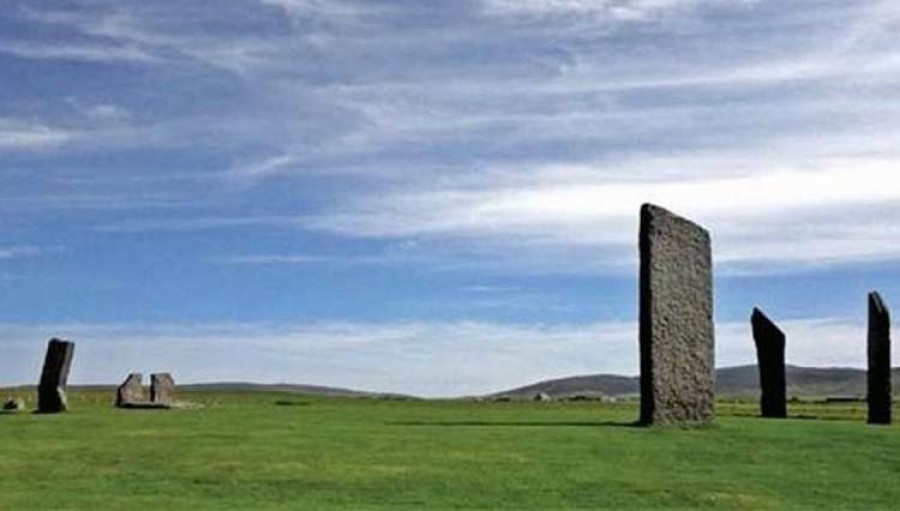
x: 283, y: 451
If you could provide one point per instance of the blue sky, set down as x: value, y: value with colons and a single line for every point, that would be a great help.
x: 434, y: 197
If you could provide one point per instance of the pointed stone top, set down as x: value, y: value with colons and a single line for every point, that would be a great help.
x: 759, y: 319
x: 876, y: 303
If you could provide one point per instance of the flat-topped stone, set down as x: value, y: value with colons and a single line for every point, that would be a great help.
x: 677, y: 340
x: 162, y: 388
x: 879, y: 355
x: 55, y: 376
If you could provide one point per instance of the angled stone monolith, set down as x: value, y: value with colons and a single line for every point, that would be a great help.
x: 131, y: 391
x: 769, y: 340
x: 677, y: 340
x: 162, y: 388
x: 879, y: 351
x: 55, y: 376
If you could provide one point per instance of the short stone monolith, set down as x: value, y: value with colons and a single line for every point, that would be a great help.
x: 131, y: 391
x: 14, y: 404
x: 879, y: 351
x: 162, y: 388
x: 677, y: 340
x: 55, y: 376
x: 770, y: 340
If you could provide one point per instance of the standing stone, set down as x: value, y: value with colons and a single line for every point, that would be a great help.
x: 769, y: 341
x: 130, y: 392
x: 14, y: 404
x: 879, y: 374
x: 55, y: 376
x: 677, y: 339
x: 162, y: 388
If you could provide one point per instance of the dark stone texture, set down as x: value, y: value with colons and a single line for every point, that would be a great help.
x: 770, y: 341
x: 146, y: 405
x: 879, y: 350
x: 162, y: 388
x: 131, y: 391
x: 677, y: 339
x: 55, y: 376
x: 14, y: 404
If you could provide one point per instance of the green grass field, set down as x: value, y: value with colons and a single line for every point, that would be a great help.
x: 283, y: 451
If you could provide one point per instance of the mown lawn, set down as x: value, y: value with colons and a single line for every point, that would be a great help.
x: 283, y: 451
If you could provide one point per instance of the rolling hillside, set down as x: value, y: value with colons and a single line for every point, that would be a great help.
x: 736, y: 382
x: 731, y: 382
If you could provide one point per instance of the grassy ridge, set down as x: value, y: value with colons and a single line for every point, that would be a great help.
x: 731, y: 382
x: 281, y: 451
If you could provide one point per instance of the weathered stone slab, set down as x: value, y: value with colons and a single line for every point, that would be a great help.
x: 55, y: 376
x: 879, y: 351
x: 770, y: 340
x: 162, y: 388
x: 131, y: 391
x: 677, y: 340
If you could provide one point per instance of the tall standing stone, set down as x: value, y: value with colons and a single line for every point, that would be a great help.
x: 131, y: 391
x: 770, y: 341
x: 879, y: 374
x: 162, y: 388
x: 55, y: 376
x: 677, y: 340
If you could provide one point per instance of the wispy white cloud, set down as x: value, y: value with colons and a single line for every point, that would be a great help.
x: 83, y: 201
x: 273, y: 259
x: 433, y: 359
x: 127, y: 33
x: 19, y: 252
x: 545, y: 151
x: 272, y: 165
x: 21, y: 135
x: 753, y: 216
x: 597, y: 10
x: 197, y: 223
x: 483, y: 289
x: 329, y: 9
x: 402, y: 253
x: 79, y: 52
x: 102, y: 112
x: 584, y: 219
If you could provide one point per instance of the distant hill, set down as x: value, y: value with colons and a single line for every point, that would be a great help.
x: 312, y: 390
x: 593, y: 386
x: 740, y: 382
x: 315, y: 390
x: 731, y: 382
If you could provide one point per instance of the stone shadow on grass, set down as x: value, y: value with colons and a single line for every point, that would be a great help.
x: 526, y: 424
x: 800, y: 417
x: 287, y: 402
